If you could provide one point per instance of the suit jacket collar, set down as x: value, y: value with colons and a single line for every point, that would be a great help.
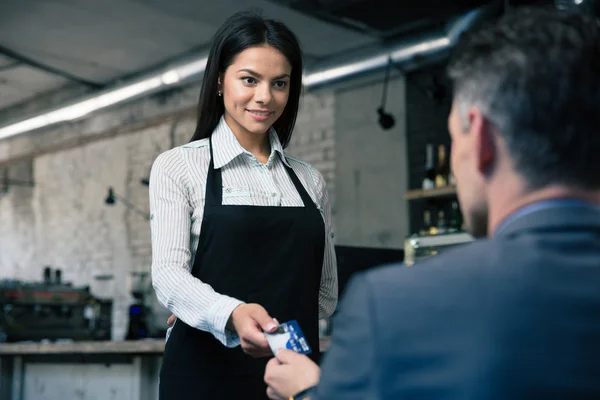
x: 583, y: 216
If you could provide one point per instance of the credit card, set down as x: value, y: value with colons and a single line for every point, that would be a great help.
x: 288, y: 336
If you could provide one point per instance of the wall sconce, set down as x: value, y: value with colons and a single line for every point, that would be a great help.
x: 112, y: 197
x: 386, y: 120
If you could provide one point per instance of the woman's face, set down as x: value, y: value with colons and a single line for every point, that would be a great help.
x: 255, y: 89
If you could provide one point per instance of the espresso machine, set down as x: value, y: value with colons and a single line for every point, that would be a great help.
x: 145, y: 319
x: 52, y: 310
x: 420, y: 247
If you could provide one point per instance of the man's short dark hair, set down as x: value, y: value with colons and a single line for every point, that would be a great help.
x: 535, y: 74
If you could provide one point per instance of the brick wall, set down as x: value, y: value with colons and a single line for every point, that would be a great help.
x: 313, y: 140
x: 64, y: 222
x: 371, y: 166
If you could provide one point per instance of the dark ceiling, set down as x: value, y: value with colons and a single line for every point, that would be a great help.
x: 384, y: 19
x: 388, y: 19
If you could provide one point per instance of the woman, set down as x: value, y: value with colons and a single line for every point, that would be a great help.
x: 240, y: 231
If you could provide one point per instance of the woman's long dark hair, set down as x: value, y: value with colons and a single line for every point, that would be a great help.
x: 239, y: 32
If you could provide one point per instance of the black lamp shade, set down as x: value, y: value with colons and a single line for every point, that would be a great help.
x: 386, y: 120
x: 110, y: 198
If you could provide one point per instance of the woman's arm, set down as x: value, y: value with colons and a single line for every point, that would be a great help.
x: 328, y: 291
x: 194, y: 302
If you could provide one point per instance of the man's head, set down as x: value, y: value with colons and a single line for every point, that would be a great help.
x: 526, y: 108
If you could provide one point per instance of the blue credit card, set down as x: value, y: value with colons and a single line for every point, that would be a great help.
x: 288, y: 336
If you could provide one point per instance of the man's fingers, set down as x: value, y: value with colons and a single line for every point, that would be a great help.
x: 286, y: 356
x: 271, y: 394
x: 271, y: 371
x: 271, y: 365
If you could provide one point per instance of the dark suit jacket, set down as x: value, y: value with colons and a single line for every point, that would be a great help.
x: 513, y: 317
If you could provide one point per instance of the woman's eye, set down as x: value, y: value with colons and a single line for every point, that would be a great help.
x: 280, y: 84
x: 249, y: 80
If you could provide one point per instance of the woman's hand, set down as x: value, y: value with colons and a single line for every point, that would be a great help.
x: 171, y: 320
x: 250, y: 321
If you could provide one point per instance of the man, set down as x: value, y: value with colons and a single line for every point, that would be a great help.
x: 515, y: 314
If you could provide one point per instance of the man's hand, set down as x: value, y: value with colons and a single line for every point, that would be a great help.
x: 249, y: 321
x: 271, y: 394
x: 290, y: 373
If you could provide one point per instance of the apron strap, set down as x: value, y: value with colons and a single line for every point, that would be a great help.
x: 306, y: 199
x: 214, y: 182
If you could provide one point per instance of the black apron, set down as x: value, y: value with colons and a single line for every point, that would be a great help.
x: 272, y: 256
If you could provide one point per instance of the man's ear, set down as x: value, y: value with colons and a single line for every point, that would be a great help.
x: 484, y: 141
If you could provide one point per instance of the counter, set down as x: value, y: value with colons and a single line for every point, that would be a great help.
x: 123, y: 347
x: 124, y: 370
x: 132, y: 347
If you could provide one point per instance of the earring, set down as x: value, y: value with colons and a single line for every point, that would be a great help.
x: 219, y: 93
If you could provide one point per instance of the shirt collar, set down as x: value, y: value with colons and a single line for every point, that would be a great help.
x: 226, y: 146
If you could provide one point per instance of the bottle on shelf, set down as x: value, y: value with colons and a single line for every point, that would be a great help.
x: 441, y: 222
x: 429, y: 178
x: 427, y: 225
x: 455, y: 218
x: 441, y: 170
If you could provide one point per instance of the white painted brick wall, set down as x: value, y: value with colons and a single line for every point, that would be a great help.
x: 372, y: 168
x: 64, y: 222
x: 314, y: 138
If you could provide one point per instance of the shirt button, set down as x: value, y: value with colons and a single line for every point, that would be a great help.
x: 228, y: 190
x: 273, y: 194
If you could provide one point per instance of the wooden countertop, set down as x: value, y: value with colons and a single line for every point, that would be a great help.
x: 155, y: 346
x: 152, y: 346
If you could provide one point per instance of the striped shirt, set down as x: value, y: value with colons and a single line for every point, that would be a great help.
x: 177, y: 189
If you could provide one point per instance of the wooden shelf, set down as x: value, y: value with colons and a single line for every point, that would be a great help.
x: 430, y: 193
